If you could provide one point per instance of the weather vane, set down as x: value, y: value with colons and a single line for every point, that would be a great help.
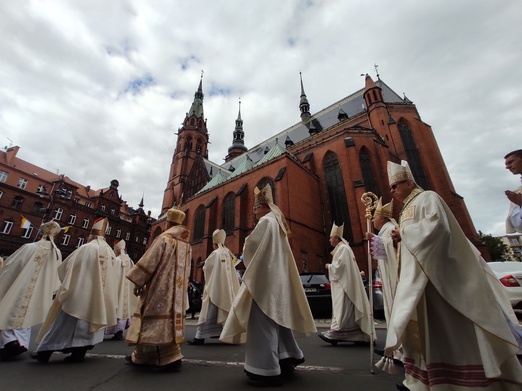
x: 377, y: 70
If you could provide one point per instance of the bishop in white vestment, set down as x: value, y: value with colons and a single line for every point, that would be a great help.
x: 221, y: 286
x: 27, y: 284
x: 86, y: 301
x: 351, y: 318
x: 454, y: 335
x: 270, y: 307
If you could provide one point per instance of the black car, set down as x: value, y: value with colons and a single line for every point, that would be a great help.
x: 318, y: 293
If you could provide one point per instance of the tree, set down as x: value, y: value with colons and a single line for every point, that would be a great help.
x: 497, y: 249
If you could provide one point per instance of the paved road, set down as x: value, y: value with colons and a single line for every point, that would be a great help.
x: 213, y: 366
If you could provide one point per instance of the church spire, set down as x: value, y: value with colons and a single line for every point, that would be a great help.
x: 196, y: 110
x: 304, y: 106
x: 238, y: 142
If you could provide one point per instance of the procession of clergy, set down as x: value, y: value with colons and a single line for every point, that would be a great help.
x: 433, y: 278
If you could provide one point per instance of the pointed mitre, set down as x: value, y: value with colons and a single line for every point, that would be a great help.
x: 119, y: 245
x: 263, y: 196
x: 399, y: 172
x: 175, y: 215
x: 337, y: 230
x: 384, y: 210
x: 219, y: 236
x: 100, y: 226
x: 51, y: 229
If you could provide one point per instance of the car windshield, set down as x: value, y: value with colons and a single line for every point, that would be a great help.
x: 314, y: 279
x: 506, y: 266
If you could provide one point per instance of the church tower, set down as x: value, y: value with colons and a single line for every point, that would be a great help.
x: 238, y: 144
x: 191, y: 146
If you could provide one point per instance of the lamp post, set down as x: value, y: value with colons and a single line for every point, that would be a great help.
x: 57, y: 191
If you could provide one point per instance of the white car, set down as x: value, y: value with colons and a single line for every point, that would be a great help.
x: 510, y: 275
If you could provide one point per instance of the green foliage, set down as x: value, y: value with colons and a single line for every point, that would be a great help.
x: 497, y: 249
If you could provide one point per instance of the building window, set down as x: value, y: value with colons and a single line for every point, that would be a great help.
x: 27, y: 232
x: 337, y: 195
x: 36, y: 208
x: 113, y: 211
x: 17, y: 202
x: 22, y: 183
x: 3, y: 176
x: 6, y: 227
x: 103, y: 207
x: 145, y: 240
x: 85, y: 223
x: 80, y: 242
x: 412, y: 154
x: 41, y: 190
x: 58, y: 212
x: 127, y: 236
x: 72, y: 219
x: 199, y: 223
x: 108, y: 230
x: 137, y: 238
x: 76, y: 200
x: 367, y: 171
x: 118, y: 233
x: 88, y: 204
x: 229, y: 207
x: 1, y: 194
x: 65, y: 239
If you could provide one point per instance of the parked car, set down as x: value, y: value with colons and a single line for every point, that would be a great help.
x: 510, y: 276
x: 318, y: 293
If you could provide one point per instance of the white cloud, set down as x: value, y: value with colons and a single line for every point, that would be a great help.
x: 67, y: 69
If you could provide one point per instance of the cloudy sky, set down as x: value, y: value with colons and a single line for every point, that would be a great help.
x: 97, y: 89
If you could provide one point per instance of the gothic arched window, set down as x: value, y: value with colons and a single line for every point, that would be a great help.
x: 367, y: 171
x: 412, y: 153
x: 337, y: 195
x: 199, y: 223
x: 229, y: 206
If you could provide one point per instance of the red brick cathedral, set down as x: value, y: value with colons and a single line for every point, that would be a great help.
x: 318, y: 169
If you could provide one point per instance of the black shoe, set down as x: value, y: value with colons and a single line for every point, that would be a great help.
x: 128, y: 359
x: 329, y: 340
x: 288, y: 365
x: 44, y: 356
x: 11, y: 349
x: 118, y: 336
x: 380, y: 352
x: 264, y: 381
x: 196, y: 341
x: 77, y: 355
x: 401, y: 387
x: 172, y: 367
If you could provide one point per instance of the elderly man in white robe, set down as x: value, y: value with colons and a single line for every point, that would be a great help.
x: 221, y: 286
x: 127, y: 300
x: 445, y: 313
x: 351, y: 318
x: 27, y: 284
x: 513, y: 161
x: 85, y: 303
x: 384, y: 251
x: 271, y: 306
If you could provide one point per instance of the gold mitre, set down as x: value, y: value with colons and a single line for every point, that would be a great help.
x: 337, y: 230
x: 399, y: 172
x: 119, y: 245
x: 100, y: 226
x: 51, y: 229
x: 219, y: 236
x: 175, y: 215
x: 263, y: 196
x: 383, y: 210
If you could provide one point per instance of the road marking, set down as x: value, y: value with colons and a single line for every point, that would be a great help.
x: 220, y: 363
